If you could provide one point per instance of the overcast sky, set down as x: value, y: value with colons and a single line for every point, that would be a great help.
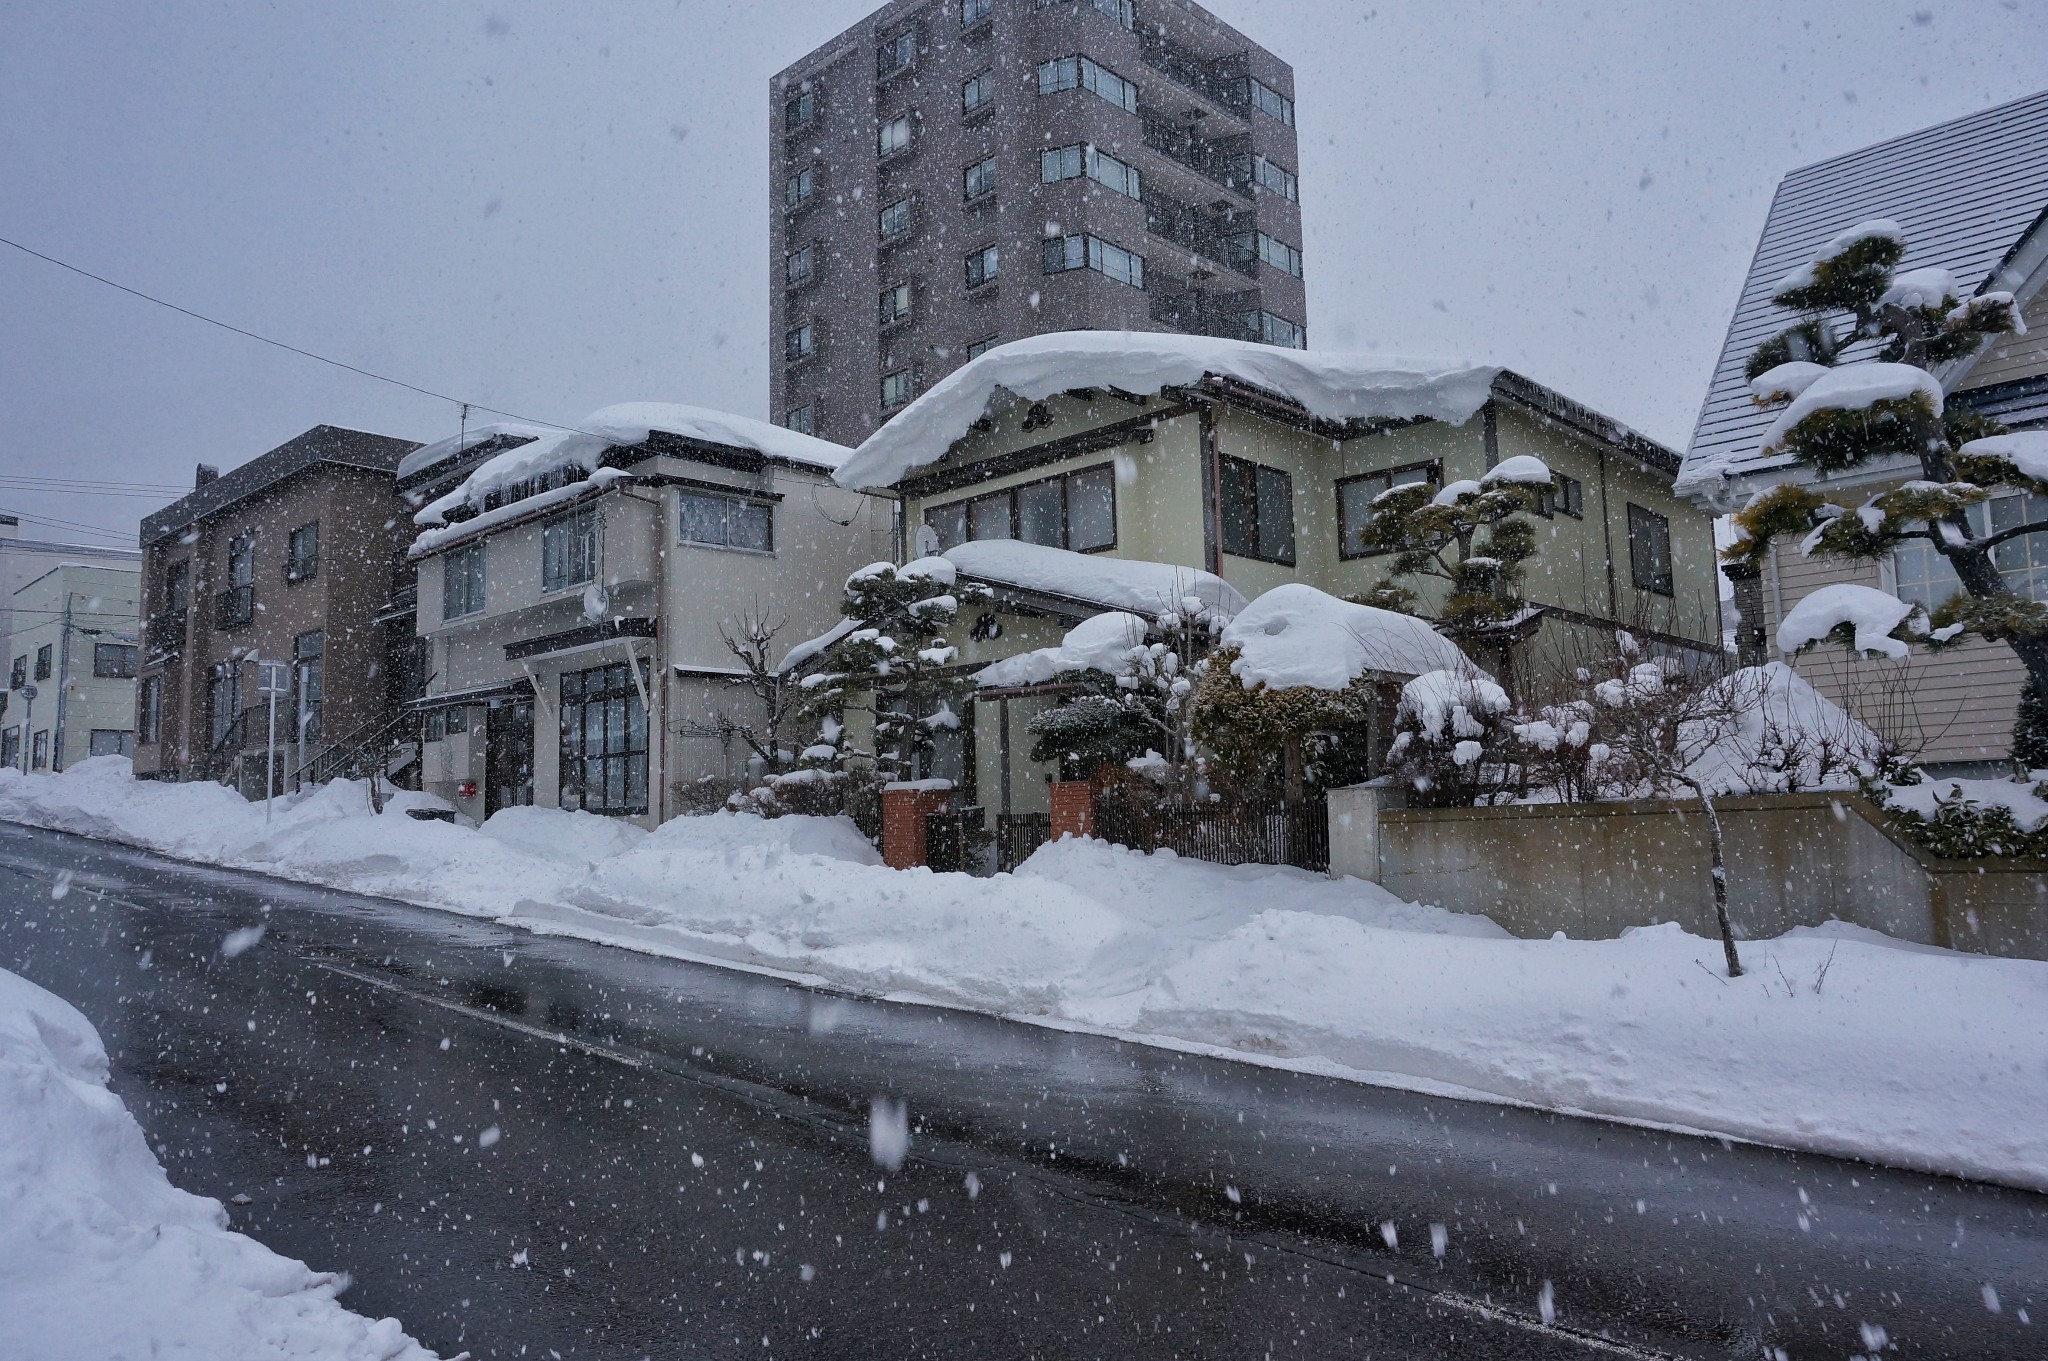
x: 550, y: 208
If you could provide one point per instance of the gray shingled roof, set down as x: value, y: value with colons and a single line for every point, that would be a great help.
x: 321, y: 444
x: 1965, y: 191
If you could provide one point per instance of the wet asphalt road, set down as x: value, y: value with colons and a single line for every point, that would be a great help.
x: 1065, y: 1195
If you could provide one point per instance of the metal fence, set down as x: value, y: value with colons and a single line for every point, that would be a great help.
x: 1224, y: 834
x: 1017, y: 836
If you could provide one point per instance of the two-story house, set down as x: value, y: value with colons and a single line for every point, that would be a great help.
x: 577, y: 587
x: 73, y: 642
x: 286, y: 558
x: 1141, y: 465
x: 1972, y: 198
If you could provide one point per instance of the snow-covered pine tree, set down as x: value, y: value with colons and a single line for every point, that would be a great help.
x: 1856, y: 381
x: 896, y: 663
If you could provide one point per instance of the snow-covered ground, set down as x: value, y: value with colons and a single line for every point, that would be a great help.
x: 101, y: 1257
x: 1838, y: 1040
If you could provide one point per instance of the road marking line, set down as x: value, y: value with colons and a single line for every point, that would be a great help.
x: 481, y: 1014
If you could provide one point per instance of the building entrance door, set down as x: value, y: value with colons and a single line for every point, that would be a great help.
x: 508, y: 755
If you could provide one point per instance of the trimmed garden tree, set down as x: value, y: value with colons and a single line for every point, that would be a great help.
x: 1855, y: 383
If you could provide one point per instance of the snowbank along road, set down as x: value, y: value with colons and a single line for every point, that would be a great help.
x: 519, y: 1142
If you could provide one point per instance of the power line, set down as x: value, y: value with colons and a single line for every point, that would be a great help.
x: 73, y: 525
x: 308, y: 354
x: 89, y: 491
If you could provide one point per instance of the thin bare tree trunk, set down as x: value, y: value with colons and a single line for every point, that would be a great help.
x: 1720, y: 876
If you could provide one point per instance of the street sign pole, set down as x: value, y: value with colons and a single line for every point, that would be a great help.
x: 28, y: 723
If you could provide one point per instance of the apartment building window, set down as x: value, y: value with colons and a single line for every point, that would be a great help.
x: 1081, y: 73
x: 18, y: 676
x: 1258, y: 511
x: 1276, y: 178
x: 113, y: 661
x: 895, y: 219
x: 568, y: 550
x: 1124, y: 12
x: 236, y: 606
x: 1649, y: 550
x: 462, y: 580
x: 41, y: 760
x: 802, y: 419
x: 978, y: 179
x: 1279, y: 254
x: 895, y: 304
x: 223, y: 701
x: 149, y: 708
x: 1071, y: 162
x: 1278, y: 330
x: 897, y: 389
x: 177, y: 587
x: 893, y: 135
x: 980, y: 348
x: 1271, y: 102
x: 1063, y: 253
x: 110, y: 742
x: 1075, y: 511
x: 1926, y: 578
x: 974, y: 11
x: 797, y: 266
x: 309, y: 669
x: 977, y: 90
x: 604, y: 742
x: 43, y: 657
x: 796, y: 190
x: 897, y: 53
x: 1568, y: 496
x: 800, y: 342
x: 725, y: 522
x: 1355, y: 496
x: 799, y: 111
x: 302, y: 553
x: 981, y: 267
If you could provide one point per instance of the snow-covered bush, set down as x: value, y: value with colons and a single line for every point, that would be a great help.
x: 1454, y: 740
x: 1967, y: 819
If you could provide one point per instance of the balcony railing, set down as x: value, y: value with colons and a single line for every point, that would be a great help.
x: 165, y: 634
x: 1228, y: 240
x: 234, y: 607
x: 1230, y: 316
x: 1220, y: 80
x: 1225, y: 160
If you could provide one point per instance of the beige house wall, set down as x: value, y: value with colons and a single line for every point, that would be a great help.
x: 2010, y: 357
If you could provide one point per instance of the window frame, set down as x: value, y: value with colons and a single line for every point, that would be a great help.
x: 986, y: 168
x: 471, y: 565
x: 887, y: 313
x: 17, y: 675
x: 1269, y: 328
x: 883, y: 150
x: 976, y: 349
x: 1013, y: 497
x: 1277, y: 106
x: 800, y: 111
x: 727, y: 501
x: 907, y: 206
x: 802, y: 419
x: 982, y: 82
x: 900, y: 51
x: 990, y: 261
x: 123, y: 737
x: 1229, y: 464
x: 799, y: 267
x: 630, y: 748
x: 177, y: 586
x: 1642, y: 564
x: 1278, y: 254
x: 299, y: 566
x: 798, y: 188
x: 1434, y: 467
x: 579, y: 526
x: 973, y: 12
x: 45, y: 661
x: 149, y: 709
x: 309, y: 681
x: 1289, y: 187
x: 1094, y: 254
x: 799, y: 342
x: 906, y: 382
x: 117, y: 669
x: 39, y: 746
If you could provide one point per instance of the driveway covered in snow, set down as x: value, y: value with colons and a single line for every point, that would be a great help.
x: 522, y: 1142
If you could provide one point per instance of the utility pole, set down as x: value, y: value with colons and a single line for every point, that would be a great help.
x: 63, y: 687
x: 28, y: 722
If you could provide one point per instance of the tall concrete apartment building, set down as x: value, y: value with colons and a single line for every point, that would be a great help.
x: 948, y: 175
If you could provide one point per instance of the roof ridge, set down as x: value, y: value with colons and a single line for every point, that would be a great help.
x: 1892, y: 141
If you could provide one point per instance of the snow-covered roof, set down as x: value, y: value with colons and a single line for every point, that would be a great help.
x: 1328, y: 385
x: 442, y: 451
x: 1964, y: 193
x: 1295, y: 635
x: 1093, y: 579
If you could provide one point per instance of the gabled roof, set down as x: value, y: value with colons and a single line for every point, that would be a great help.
x: 322, y: 444
x: 1965, y: 191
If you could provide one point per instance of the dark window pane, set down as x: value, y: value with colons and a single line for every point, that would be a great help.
x: 1240, y: 508
x: 991, y: 517
x: 751, y: 526
x: 1276, y: 515
x: 949, y: 523
x: 1091, y: 510
x: 1041, y: 515
x: 703, y: 519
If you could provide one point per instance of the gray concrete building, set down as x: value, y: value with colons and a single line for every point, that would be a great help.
x: 948, y: 175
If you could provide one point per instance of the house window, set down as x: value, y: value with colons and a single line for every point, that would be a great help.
x: 1279, y: 255
x: 43, y: 656
x: 1925, y: 577
x: 223, y: 701
x: 979, y: 179
x: 802, y: 419
x: 796, y: 190
x: 897, y: 53
x: 1079, y: 73
x: 1355, y: 496
x: 896, y: 389
x: 895, y: 305
x: 799, y: 343
x: 302, y: 553
x: 242, y: 559
x: 796, y: 266
x: 462, y: 581
x: 799, y: 111
x: 18, y: 677
x: 1063, y: 253
x: 149, y: 708
x: 1276, y: 178
x: 309, y: 668
x: 111, y: 742
x: 177, y: 587
x: 1071, y: 162
x: 42, y: 750
x: 1649, y: 550
x: 568, y: 550
x: 1258, y: 511
x: 977, y: 90
x: 980, y: 347
x: 604, y: 742
x: 10, y: 748
x: 1568, y: 496
x: 895, y: 219
x: 1272, y: 103
x: 114, y: 661
x: 981, y: 267
x: 725, y: 522
x: 893, y: 135
x: 1075, y: 511
x: 974, y: 11
x: 1278, y: 330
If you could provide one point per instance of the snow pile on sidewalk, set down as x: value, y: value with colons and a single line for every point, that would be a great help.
x: 1836, y: 1041
x: 100, y: 1256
